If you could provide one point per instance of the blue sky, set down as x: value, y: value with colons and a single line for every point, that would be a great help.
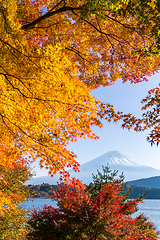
x: 127, y: 98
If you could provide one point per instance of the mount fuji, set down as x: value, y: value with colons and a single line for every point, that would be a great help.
x: 115, y: 160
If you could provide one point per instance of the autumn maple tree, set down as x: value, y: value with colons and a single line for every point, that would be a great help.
x: 13, y: 174
x: 52, y: 55
x: 80, y: 214
x: 13, y: 192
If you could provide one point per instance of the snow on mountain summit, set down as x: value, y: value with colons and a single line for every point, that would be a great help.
x: 111, y: 158
x: 117, y: 158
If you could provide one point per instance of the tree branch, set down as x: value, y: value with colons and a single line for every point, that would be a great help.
x: 48, y: 15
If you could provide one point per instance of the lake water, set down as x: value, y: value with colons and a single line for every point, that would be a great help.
x: 38, y: 203
x: 151, y: 208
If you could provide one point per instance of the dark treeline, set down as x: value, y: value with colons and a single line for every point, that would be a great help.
x: 152, y: 193
x: 44, y: 191
x: 41, y: 191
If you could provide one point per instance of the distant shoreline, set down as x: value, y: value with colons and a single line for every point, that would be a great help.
x: 44, y: 191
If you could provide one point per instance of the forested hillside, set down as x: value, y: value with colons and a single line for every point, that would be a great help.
x: 41, y: 191
x: 152, y: 193
x: 152, y: 182
x: 44, y: 191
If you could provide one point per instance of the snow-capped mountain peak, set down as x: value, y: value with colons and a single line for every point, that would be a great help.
x: 111, y: 158
x: 117, y: 158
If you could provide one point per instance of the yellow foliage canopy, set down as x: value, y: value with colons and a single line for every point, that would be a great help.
x: 51, y: 57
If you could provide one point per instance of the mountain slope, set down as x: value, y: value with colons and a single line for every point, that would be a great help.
x: 152, y: 182
x: 115, y: 160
